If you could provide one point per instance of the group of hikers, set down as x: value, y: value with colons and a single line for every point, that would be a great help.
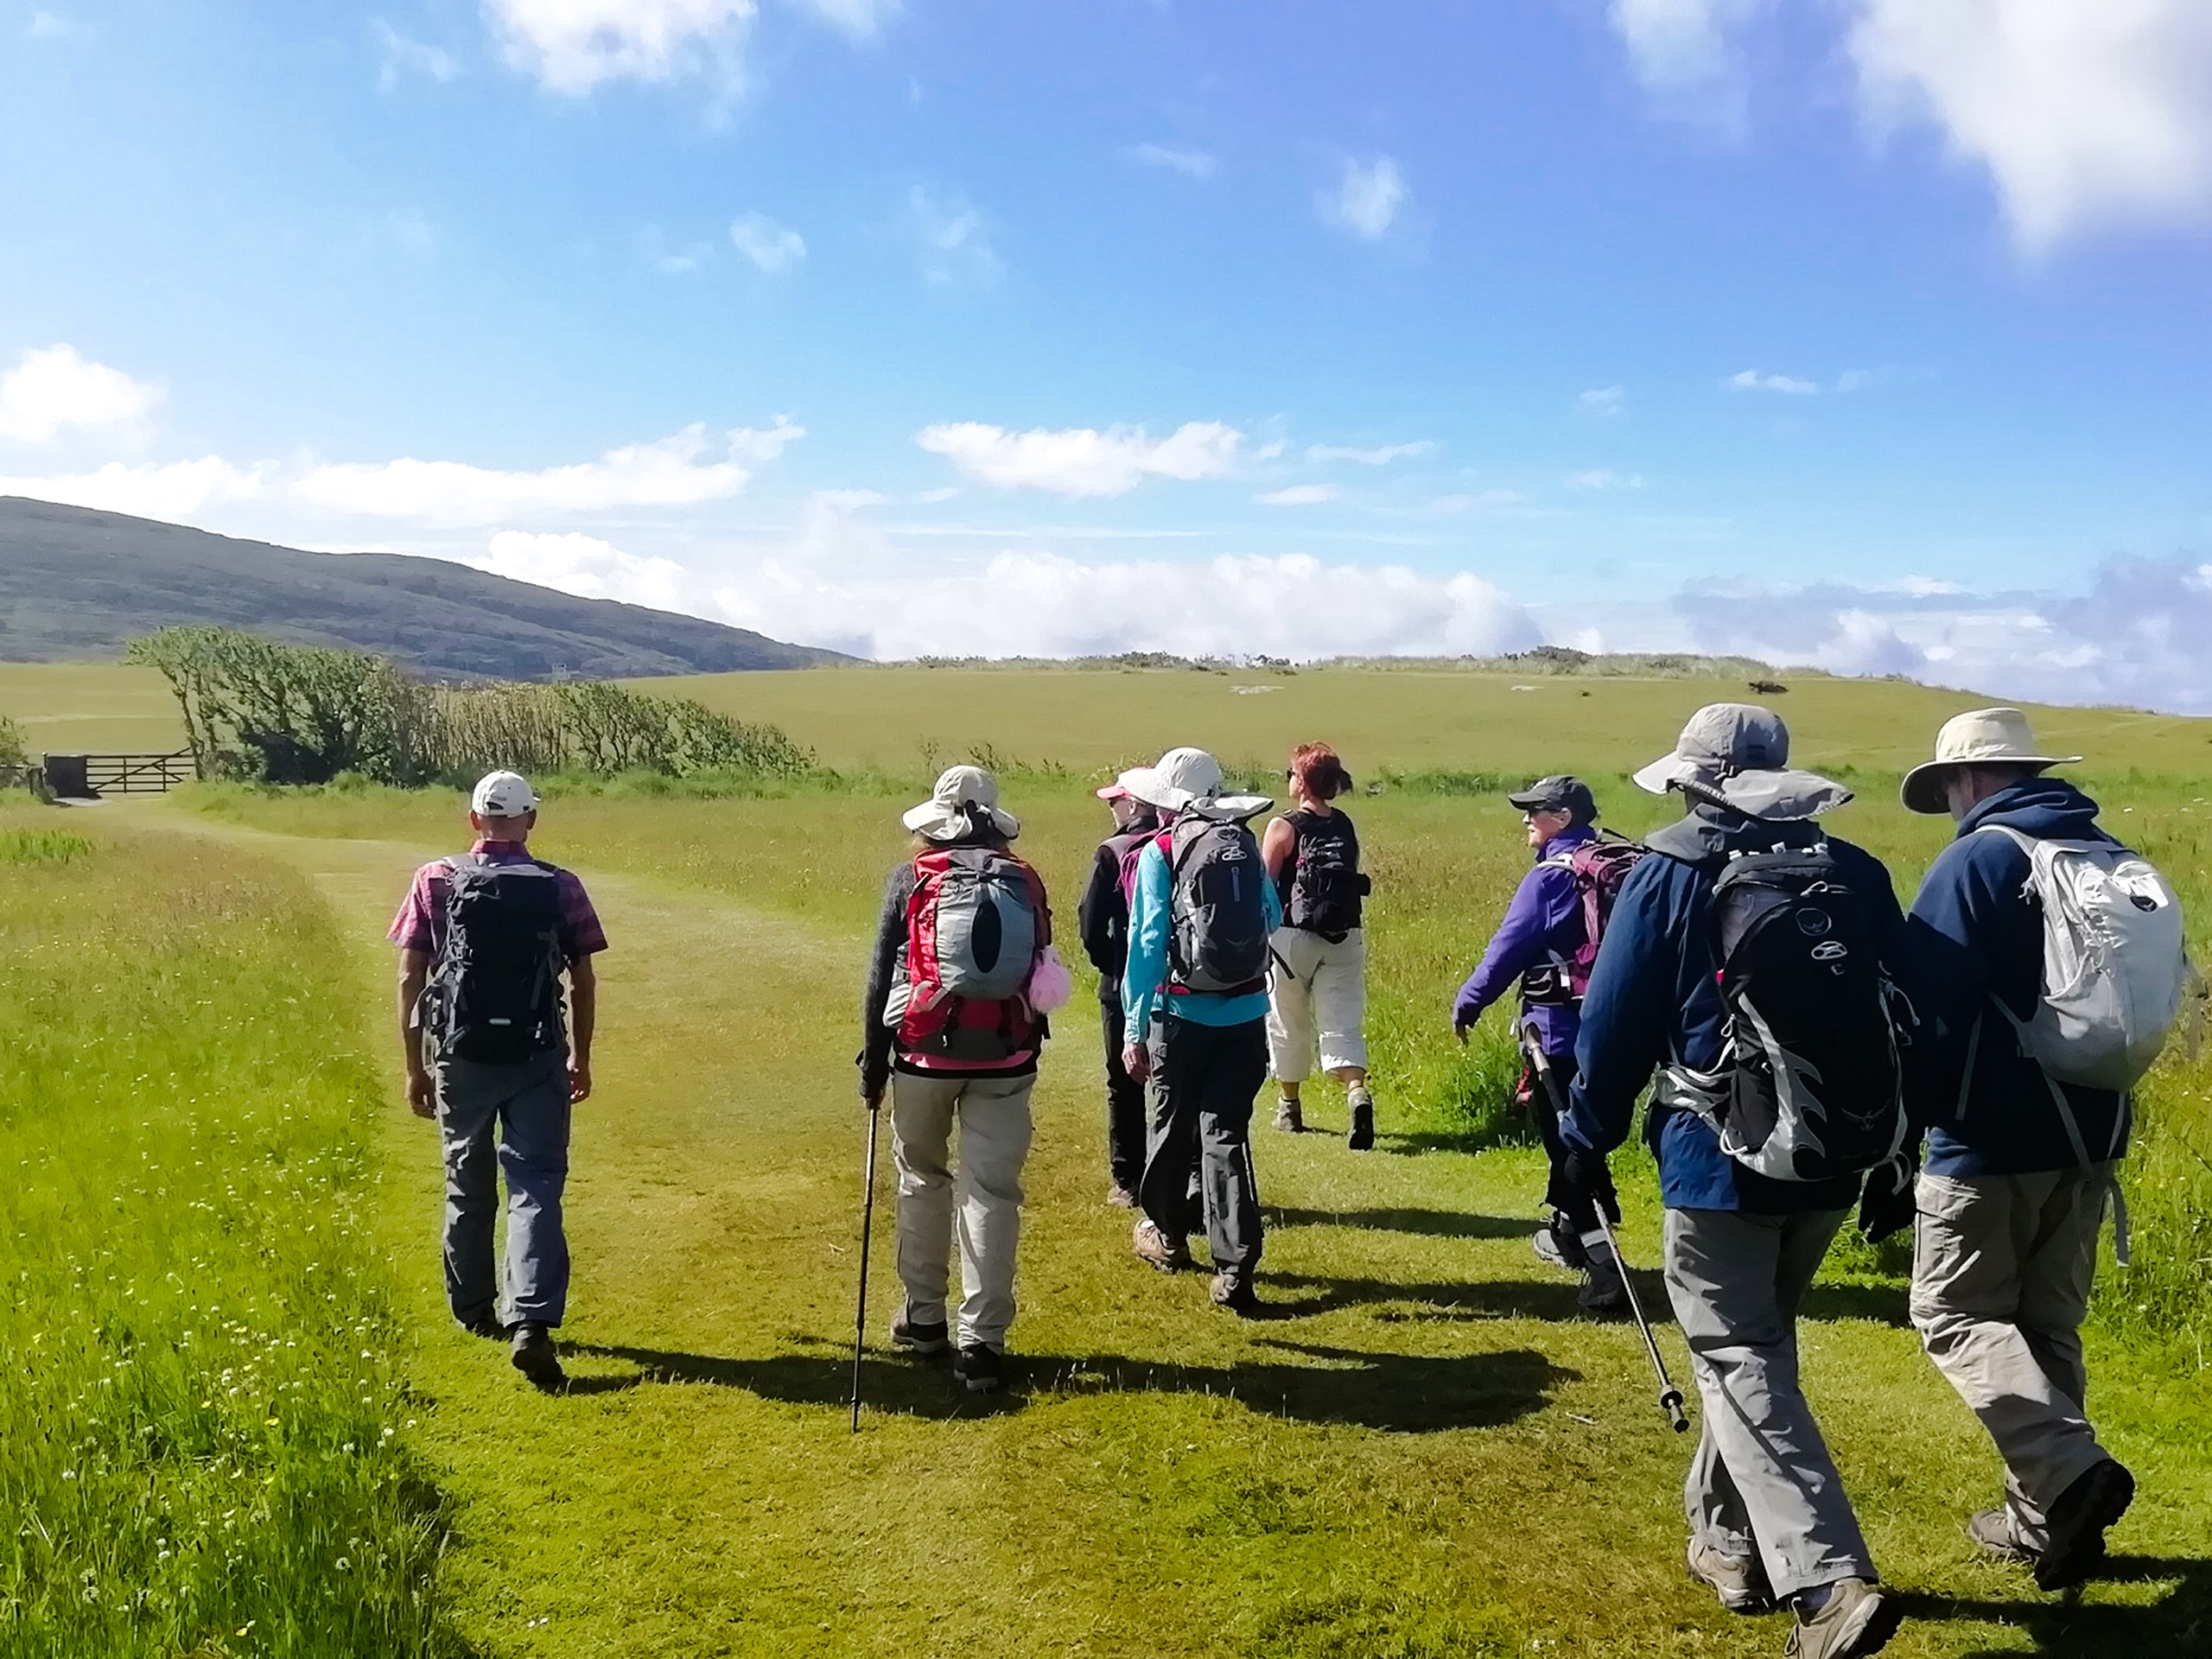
x: 1809, y: 1046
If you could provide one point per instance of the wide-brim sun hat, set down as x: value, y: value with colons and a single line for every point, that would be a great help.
x: 1737, y: 754
x: 966, y: 799
x: 1189, y: 781
x: 1980, y: 737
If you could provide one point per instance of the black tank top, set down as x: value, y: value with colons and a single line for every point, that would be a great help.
x: 1321, y: 885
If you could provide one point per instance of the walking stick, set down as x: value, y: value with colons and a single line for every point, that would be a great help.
x: 1670, y: 1397
x: 868, y: 1221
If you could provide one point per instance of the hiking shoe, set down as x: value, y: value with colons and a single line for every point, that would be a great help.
x: 1740, y: 1581
x: 1290, y: 1116
x: 1995, y: 1535
x: 919, y: 1339
x: 1604, y: 1291
x: 1856, y: 1620
x: 2077, y: 1526
x: 1233, y: 1290
x: 1121, y: 1198
x: 534, y: 1357
x: 979, y: 1367
x: 1152, y: 1245
x: 1556, y: 1249
x: 1361, y: 1135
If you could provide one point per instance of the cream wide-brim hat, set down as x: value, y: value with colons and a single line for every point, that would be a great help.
x: 965, y: 798
x: 1980, y: 737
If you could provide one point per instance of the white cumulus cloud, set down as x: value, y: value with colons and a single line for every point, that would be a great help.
x: 172, y: 490
x: 1365, y: 198
x: 1685, y: 50
x: 775, y: 248
x: 54, y: 389
x: 1082, y: 460
x: 677, y: 471
x: 1382, y: 455
x: 2083, y: 111
x: 589, y: 568
x: 1790, y: 385
x: 404, y: 55
x: 1299, y: 495
x: 571, y: 46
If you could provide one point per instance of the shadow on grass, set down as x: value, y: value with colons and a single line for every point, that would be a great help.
x: 2180, y: 1623
x: 1312, y: 1383
x: 1883, y: 1304
x: 1550, y: 1299
x: 1434, y: 1223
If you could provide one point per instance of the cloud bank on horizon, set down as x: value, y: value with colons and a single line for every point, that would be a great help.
x: 1871, y: 340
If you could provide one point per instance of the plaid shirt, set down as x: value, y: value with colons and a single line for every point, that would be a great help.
x: 421, y: 923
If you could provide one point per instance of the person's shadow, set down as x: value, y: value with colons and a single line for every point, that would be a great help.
x: 2176, y: 1625
x: 1432, y: 1223
x: 1311, y: 1383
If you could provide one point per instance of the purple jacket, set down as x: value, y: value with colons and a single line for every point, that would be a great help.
x: 1543, y: 921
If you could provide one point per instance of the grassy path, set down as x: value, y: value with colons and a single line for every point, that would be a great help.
x: 1428, y: 1457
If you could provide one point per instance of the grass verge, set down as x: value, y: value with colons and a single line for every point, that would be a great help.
x: 204, y: 1415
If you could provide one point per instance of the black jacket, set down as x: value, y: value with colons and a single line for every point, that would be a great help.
x: 1102, y: 915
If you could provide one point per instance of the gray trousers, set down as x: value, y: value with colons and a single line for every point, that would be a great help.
x: 510, y: 1120
x: 2001, y: 1269
x: 1204, y: 1078
x: 1761, y: 1483
x: 982, y: 1203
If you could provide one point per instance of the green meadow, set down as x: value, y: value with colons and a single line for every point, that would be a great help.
x: 240, y: 1423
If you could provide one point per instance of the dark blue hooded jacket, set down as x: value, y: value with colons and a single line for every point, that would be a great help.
x: 1976, y: 930
x: 1653, y: 996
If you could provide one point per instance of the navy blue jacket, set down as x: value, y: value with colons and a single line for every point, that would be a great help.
x: 1976, y: 931
x: 1653, y: 997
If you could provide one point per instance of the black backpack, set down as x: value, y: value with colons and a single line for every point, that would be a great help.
x: 1809, y: 1087
x: 1217, y: 920
x: 1325, y: 883
x: 495, y: 993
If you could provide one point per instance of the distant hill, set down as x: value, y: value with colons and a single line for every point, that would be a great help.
x: 76, y: 584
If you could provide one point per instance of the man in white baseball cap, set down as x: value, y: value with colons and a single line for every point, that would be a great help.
x: 484, y: 940
x: 2020, y: 1166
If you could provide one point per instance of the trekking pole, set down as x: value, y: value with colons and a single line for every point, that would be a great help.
x: 868, y: 1226
x: 1670, y: 1397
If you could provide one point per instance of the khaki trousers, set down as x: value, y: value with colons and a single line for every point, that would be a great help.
x: 981, y: 1204
x: 1317, y: 997
x: 2001, y: 1270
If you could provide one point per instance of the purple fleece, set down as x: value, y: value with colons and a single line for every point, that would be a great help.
x: 1545, y: 918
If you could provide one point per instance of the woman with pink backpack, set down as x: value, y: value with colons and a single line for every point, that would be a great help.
x: 962, y: 979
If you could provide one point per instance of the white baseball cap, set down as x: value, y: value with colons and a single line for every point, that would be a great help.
x: 1189, y: 781
x: 503, y: 795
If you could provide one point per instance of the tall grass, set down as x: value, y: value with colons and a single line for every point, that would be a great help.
x: 203, y: 1412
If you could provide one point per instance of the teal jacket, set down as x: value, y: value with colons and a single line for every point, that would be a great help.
x: 1144, y: 982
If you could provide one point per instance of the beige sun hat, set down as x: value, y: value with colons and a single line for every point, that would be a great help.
x: 1190, y: 780
x: 1980, y: 737
x: 965, y: 799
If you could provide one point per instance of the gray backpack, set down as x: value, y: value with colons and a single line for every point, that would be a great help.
x: 1217, y: 920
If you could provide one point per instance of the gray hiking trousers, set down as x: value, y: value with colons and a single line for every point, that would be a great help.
x: 1204, y: 1078
x: 1761, y: 1483
x: 2001, y: 1269
x: 510, y: 1120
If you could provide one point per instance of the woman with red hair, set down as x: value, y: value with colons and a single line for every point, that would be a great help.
x: 1317, y: 983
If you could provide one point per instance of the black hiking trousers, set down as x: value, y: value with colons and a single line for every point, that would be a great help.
x: 1125, y: 1113
x: 1204, y: 1079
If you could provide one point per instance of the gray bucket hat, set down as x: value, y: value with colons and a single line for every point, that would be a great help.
x: 1738, y: 754
x: 966, y: 798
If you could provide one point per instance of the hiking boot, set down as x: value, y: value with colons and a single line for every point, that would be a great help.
x: 1856, y: 1620
x: 1740, y: 1581
x: 1995, y: 1535
x: 1290, y: 1116
x: 1559, y: 1248
x: 1121, y: 1198
x: 2076, y: 1530
x: 1361, y: 1135
x: 1232, y: 1290
x: 1169, y: 1256
x: 533, y: 1356
x: 979, y: 1367
x: 1604, y: 1292
x: 918, y: 1340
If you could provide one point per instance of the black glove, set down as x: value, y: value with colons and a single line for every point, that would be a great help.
x: 1580, y: 1183
x: 1888, y: 1205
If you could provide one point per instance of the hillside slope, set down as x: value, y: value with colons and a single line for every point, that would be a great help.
x: 76, y: 584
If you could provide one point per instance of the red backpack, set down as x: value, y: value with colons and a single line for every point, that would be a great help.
x: 975, y: 924
x: 1598, y: 868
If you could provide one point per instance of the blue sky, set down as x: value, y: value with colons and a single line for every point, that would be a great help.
x: 1871, y: 332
